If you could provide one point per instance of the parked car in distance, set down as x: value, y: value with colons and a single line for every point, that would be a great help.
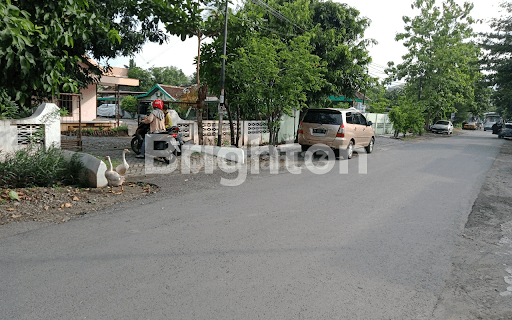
x: 488, y: 125
x: 506, y: 131
x: 442, y: 126
x: 106, y: 110
x: 470, y: 125
x: 339, y: 129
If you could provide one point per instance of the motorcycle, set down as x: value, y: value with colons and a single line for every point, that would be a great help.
x: 138, y: 137
x: 176, y: 141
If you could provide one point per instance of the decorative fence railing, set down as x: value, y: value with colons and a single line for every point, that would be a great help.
x: 252, y: 132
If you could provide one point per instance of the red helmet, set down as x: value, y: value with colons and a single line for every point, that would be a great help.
x: 158, y: 104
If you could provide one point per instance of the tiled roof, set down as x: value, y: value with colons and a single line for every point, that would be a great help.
x: 361, y: 96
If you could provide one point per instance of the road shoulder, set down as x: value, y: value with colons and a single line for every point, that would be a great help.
x: 480, y: 284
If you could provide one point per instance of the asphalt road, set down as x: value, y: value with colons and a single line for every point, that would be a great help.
x: 278, y: 246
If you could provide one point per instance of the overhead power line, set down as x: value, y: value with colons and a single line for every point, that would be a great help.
x: 275, y: 13
x: 378, y: 65
x: 376, y: 68
x: 254, y: 24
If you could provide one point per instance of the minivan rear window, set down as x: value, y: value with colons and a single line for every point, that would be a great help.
x: 323, y: 117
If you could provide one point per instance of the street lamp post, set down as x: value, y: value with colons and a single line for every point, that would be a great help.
x: 222, y: 107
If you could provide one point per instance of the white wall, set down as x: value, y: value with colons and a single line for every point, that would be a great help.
x: 14, y: 132
x: 253, y: 132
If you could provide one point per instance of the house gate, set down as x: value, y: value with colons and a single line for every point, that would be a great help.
x: 71, y: 123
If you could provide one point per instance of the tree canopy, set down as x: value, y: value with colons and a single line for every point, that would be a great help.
x: 381, y: 98
x: 339, y: 41
x: 283, y: 55
x: 161, y: 75
x: 498, y: 45
x: 279, y: 74
x: 441, y: 67
x: 46, y: 46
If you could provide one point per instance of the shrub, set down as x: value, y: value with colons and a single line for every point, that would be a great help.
x: 120, y: 128
x: 8, y: 108
x: 406, y: 117
x: 129, y: 104
x: 38, y: 167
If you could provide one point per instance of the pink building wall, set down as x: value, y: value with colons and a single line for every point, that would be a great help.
x: 88, y: 105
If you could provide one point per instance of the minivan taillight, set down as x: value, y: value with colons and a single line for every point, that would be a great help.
x: 300, y: 128
x: 341, y: 132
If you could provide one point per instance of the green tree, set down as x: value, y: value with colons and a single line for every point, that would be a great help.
x: 45, y: 46
x: 339, y: 42
x: 146, y: 81
x: 378, y: 103
x: 38, y: 46
x: 441, y: 65
x: 161, y: 75
x: 276, y: 76
x: 130, y: 104
x: 169, y: 76
x: 498, y: 44
x: 138, y: 21
x: 407, y: 116
x: 338, y: 39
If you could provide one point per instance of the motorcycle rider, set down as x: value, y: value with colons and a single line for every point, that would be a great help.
x: 156, y: 122
x: 168, y: 118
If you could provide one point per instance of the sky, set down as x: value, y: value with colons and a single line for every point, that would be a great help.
x: 386, y: 22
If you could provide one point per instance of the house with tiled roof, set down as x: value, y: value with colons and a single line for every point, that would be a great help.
x: 169, y: 94
x: 357, y: 102
x: 81, y: 108
x: 166, y: 93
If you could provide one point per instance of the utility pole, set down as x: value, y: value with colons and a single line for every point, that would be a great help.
x: 419, y: 91
x: 364, y: 94
x: 222, y: 107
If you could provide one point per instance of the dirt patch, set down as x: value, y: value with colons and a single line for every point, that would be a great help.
x: 61, y: 204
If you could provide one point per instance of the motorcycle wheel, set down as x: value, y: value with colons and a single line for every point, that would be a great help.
x: 136, y: 145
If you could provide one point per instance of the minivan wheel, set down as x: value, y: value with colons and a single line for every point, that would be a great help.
x: 349, y: 151
x: 369, y: 147
x: 304, y: 148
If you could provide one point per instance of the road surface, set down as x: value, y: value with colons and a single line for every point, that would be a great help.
x: 278, y: 246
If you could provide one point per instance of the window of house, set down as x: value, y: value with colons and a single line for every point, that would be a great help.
x: 66, y: 103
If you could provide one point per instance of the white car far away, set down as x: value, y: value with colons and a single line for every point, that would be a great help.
x: 442, y: 126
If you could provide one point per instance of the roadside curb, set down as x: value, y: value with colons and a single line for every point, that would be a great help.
x: 228, y: 153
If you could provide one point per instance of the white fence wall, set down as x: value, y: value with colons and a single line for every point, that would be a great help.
x: 252, y: 132
x: 380, y: 122
x: 255, y: 132
x: 16, y: 134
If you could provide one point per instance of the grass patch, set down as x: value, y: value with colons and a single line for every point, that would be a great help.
x: 38, y: 167
x: 120, y: 128
x: 115, y: 162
